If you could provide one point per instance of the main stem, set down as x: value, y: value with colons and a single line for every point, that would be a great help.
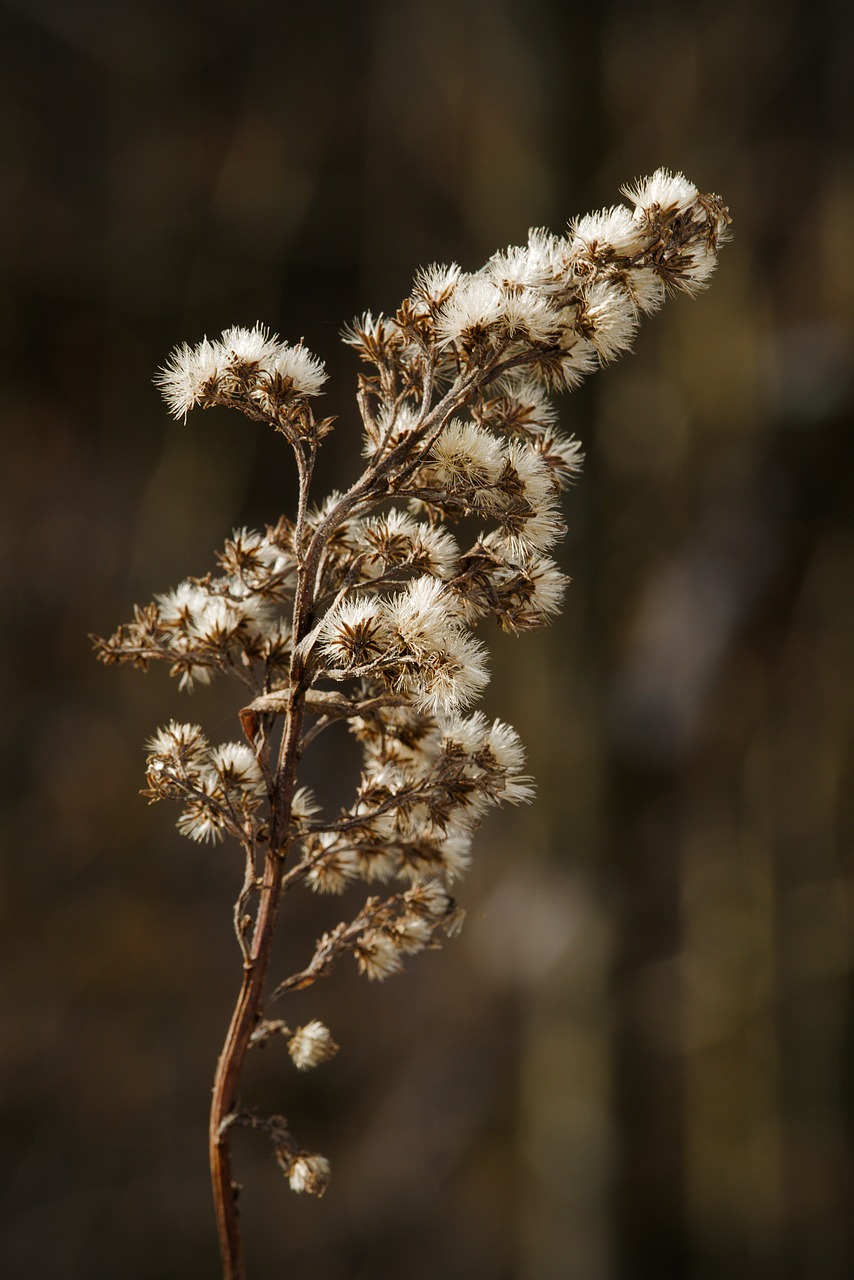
x: 256, y: 964
x: 248, y: 1006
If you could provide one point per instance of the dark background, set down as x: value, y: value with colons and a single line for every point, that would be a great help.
x: 637, y: 1060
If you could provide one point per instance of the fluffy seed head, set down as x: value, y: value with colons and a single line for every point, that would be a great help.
x: 355, y: 631
x: 664, y: 190
x: 465, y: 457
x: 377, y: 955
x: 308, y: 1174
x: 472, y: 313
x: 310, y: 1045
x: 608, y: 318
x: 298, y: 366
x: 611, y: 233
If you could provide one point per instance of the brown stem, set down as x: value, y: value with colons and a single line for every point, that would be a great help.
x: 248, y: 1006
x: 373, y: 480
x: 247, y: 1010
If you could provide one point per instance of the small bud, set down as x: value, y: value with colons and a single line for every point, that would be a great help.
x: 310, y: 1045
x: 378, y: 956
x: 309, y: 1174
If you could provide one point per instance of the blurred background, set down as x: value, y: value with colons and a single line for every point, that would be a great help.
x: 637, y: 1059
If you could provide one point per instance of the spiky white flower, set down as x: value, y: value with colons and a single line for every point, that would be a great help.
x: 219, y: 619
x: 580, y: 356
x: 204, y: 818
x: 179, y: 608
x: 455, y: 854
x: 342, y: 540
x: 333, y: 866
x: 190, y: 375
x: 522, y: 267
x: 373, y: 863
x: 253, y: 346
x: 274, y: 558
x: 303, y: 806
x: 464, y: 733
x: 537, y: 532
x: 465, y: 457
x: 531, y: 520
x: 397, y: 539
x: 179, y: 742
x: 309, y: 1174
x: 532, y: 471
x: 276, y: 636
x: 665, y: 190
x: 368, y: 332
x: 394, y: 424
x: 254, y: 564
x: 473, y: 311
x: 435, y: 551
x: 411, y: 934
x: 298, y: 365
x: 453, y: 675
x: 503, y: 741
x: 420, y: 614
x: 496, y: 750
x: 535, y: 409
x: 430, y: 897
x: 544, y: 257
x: 610, y: 233
x: 548, y: 583
x: 355, y: 631
x: 434, y: 284
x: 236, y: 767
x: 564, y: 455
x: 245, y: 543
x: 609, y: 318
x: 697, y: 265
x: 528, y: 314
x: 390, y: 535
x: 377, y: 955
x: 310, y: 1045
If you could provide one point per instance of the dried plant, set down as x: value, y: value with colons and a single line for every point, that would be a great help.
x: 362, y: 609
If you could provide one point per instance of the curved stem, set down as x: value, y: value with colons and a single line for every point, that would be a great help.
x: 256, y: 957
x: 372, y: 482
x: 248, y: 1007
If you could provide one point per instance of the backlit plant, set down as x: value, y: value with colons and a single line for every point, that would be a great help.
x: 362, y: 607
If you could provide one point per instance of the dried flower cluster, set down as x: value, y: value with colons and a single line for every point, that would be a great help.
x: 363, y: 609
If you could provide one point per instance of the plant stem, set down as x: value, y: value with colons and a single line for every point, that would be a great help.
x: 247, y: 1010
x: 248, y: 1007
